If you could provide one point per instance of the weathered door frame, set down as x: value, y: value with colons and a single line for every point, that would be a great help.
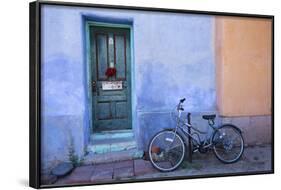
x: 88, y: 24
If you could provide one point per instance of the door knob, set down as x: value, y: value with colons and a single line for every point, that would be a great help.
x: 94, y: 86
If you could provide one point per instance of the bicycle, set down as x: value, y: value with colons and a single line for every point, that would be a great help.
x: 167, y: 148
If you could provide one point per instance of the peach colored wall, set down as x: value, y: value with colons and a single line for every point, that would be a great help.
x: 243, y: 58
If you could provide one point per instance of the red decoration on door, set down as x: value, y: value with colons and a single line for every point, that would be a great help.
x: 110, y: 72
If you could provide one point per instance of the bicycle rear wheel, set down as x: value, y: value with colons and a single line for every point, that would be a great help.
x: 228, y: 144
x: 166, y: 150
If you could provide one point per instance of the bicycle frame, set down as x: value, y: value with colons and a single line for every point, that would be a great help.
x: 186, y: 128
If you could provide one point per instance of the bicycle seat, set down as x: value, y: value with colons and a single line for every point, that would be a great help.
x: 209, y: 117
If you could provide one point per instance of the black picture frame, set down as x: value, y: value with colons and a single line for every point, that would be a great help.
x: 35, y: 85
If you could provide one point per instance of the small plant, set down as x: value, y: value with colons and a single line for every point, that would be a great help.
x: 72, y: 156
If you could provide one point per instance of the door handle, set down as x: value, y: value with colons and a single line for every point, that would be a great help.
x: 94, y: 86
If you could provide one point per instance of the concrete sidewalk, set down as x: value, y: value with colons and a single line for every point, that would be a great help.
x: 254, y: 159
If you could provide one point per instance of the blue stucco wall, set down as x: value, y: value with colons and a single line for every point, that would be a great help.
x: 173, y: 58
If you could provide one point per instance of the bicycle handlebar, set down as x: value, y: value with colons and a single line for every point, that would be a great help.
x: 182, y: 100
x: 179, y: 107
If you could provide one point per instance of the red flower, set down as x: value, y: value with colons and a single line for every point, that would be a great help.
x: 110, y: 72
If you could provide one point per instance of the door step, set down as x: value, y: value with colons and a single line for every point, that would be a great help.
x: 116, y: 134
x: 112, y: 141
x: 112, y: 146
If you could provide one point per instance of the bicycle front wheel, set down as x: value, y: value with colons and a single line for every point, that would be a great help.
x: 166, y: 150
x: 228, y: 144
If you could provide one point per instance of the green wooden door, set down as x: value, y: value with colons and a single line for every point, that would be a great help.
x: 110, y: 48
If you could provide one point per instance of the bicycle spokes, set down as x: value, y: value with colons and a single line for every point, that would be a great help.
x: 228, y: 144
x: 166, y: 151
